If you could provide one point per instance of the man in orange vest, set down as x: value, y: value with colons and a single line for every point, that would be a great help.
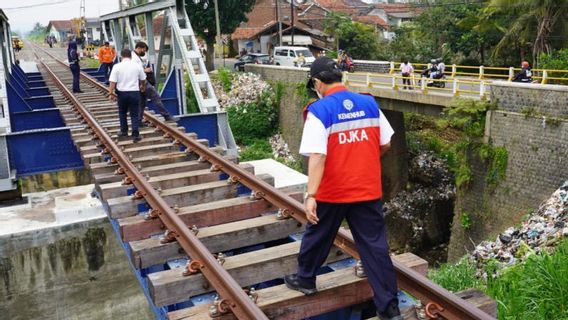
x: 106, y: 57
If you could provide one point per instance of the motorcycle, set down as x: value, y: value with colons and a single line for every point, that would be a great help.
x: 430, y: 82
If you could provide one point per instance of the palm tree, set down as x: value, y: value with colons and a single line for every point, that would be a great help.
x: 534, y: 22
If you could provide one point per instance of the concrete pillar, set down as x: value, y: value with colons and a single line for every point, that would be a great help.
x: 395, y: 161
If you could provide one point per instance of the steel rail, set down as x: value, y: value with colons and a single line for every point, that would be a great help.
x: 422, y: 288
x: 239, y: 302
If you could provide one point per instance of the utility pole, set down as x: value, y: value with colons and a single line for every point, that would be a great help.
x: 279, y: 22
x: 292, y: 19
x: 219, y: 45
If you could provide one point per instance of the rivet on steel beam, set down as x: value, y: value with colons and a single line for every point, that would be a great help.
x: 152, y: 214
x: 215, y: 168
x: 192, y: 267
x: 359, y: 270
x: 221, y: 258
x: 233, y: 179
x: 433, y: 309
x: 256, y: 195
x: 194, y: 229
x: 127, y: 181
x: 169, y: 236
x: 283, y: 214
x: 137, y: 195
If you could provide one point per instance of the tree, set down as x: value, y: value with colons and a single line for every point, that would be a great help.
x: 38, y: 32
x: 540, y: 23
x: 331, y: 24
x: 202, y: 16
x: 359, y: 40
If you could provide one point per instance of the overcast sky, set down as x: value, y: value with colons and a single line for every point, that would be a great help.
x: 39, y: 11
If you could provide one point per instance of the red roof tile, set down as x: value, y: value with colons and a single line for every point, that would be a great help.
x: 61, y: 25
x: 375, y: 20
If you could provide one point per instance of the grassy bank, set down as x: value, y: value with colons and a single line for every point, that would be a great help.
x: 536, y: 289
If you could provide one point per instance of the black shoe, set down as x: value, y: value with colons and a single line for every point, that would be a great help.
x: 136, y: 139
x: 391, y: 313
x: 122, y: 134
x: 296, y: 283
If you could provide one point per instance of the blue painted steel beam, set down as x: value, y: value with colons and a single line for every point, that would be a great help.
x: 204, y: 124
x: 169, y: 96
x: 40, y: 151
x: 36, y: 119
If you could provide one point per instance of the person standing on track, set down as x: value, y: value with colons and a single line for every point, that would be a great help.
x: 140, y: 51
x: 107, y: 54
x: 73, y: 58
x: 129, y: 80
x: 345, y: 134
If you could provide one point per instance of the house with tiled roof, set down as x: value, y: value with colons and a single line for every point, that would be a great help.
x: 60, y: 29
x: 261, y: 32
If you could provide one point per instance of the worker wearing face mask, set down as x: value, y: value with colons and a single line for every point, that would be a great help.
x: 344, y: 136
x: 139, y: 51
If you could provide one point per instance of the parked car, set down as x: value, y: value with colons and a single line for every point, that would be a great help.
x: 257, y: 58
x: 287, y: 56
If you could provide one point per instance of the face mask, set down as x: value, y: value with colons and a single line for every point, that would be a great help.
x: 317, y: 91
x: 142, y: 54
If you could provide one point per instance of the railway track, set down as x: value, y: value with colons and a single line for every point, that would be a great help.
x: 206, y: 206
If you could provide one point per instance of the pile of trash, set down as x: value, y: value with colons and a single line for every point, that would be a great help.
x: 246, y: 88
x: 547, y: 226
x: 280, y: 148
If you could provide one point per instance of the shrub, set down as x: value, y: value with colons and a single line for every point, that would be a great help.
x: 257, y: 149
x: 257, y: 120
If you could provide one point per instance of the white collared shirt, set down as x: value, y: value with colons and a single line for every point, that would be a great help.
x: 127, y: 75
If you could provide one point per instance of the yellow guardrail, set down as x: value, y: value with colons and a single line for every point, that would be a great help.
x: 483, y: 72
x: 454, y: 87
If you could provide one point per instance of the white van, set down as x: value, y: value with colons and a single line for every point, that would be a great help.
x: 286, y: 56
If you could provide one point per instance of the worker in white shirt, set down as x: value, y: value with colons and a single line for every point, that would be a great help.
x: 406, y: 71
x: 139, y: 51
x: 127, y: 81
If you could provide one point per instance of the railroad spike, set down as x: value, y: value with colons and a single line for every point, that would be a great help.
x: 233, y: 180
x: 169, y: 236
x: 256, y: 195
x: 194, y: 229
x: 119, y: 171
x: 127, y: 181
x: 137, y: 195
x: 152, y: 214
x: 215, y: 168
x: 283, y: 214
x: 192, y: 267
x: 253, y: 295
x: 221, y: 258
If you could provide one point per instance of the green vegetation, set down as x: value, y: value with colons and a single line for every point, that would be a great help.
x: 256, y: 120
x: 361, y: 41
x: 190, y: 98
x: 465, y: 221
x: 256, y: 149
x: 497, y: 158
x: 536, y: 289
x: 202, y: 16
x: 226, y: 78
x: 457, y: 277
x: 38, y: 33
x: 302, y: 93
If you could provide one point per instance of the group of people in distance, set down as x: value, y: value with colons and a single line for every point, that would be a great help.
x: 131, y: 83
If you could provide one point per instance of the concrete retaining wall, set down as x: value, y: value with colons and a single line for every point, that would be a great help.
x: 537, y: 162
x: 77, y: 271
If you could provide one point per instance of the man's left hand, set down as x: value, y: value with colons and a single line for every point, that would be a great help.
x: 311, y: 213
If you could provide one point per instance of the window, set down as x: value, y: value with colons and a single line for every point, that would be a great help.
x: 292, y: 53
x: 282, y: 53
x: 306, y: 53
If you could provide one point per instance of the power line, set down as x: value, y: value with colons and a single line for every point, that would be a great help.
x: 38, y: 5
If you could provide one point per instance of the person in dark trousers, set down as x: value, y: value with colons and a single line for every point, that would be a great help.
x: 73, y: 58
x: 525, y: 75
x: 127, y: 81
x: 140, y: 51
x: 342, y: 124
x: 107, y: 54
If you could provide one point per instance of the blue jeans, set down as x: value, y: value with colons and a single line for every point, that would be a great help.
x: 128, y: 102
x: 76, y: 71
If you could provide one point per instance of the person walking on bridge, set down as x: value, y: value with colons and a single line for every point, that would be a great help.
x: 140, y: 51
x: 340, y: 185
x: 406, y: 70
x: 73, y: 58
x: 127, y: 81
x: 107, y: 54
